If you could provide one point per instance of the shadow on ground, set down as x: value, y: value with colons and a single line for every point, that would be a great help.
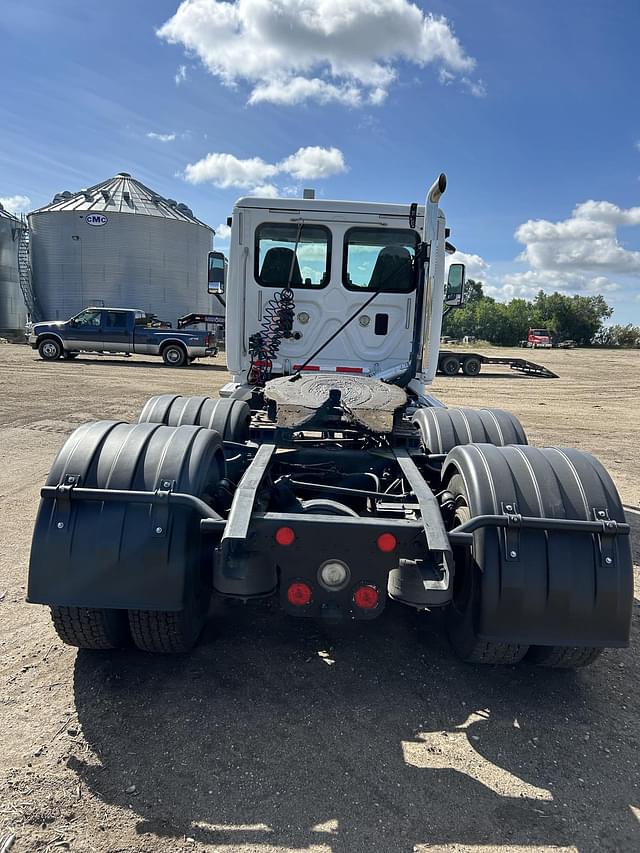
x: 371, y: 737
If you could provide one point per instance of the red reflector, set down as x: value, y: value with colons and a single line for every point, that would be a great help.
x: 285, y: 536
x: 366, y: 597
x: 308, y: 367
x: 299, y: 594
x: 387, y: 542
x: 349, y: 370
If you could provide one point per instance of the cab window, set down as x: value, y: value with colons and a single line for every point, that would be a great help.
x: 114, y: 319
x: 379, y: 259
x: 291, y: 252
x: 88, y: 318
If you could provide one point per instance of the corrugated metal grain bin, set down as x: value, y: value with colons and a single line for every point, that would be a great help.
x: 13, y: 312
x: 119, y: 243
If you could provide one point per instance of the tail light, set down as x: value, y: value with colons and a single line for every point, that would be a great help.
x: 285, y: 536
x: 387, y: 542
x: 366, y: 597
x: 299, y: 594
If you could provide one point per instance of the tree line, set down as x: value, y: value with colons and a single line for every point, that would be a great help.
x: 578, y: 318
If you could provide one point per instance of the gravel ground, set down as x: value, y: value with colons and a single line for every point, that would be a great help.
x: 279, y: 735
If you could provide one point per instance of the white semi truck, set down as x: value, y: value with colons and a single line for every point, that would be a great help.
x: 328, y: 478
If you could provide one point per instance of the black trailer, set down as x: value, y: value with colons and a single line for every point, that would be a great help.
x: 470, y: 363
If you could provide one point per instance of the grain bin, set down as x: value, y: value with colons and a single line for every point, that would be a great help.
x: 13, y: 312
x: 119, y: 243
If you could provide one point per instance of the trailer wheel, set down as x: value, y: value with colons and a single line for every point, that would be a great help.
x: 467, y: 590
x: 563, y: 657
x: 231, y: 418
x: 449, y: 365
x: 471, y: 366
x: 90, y: 628
x: 50, y: 349
x: 174, y: 355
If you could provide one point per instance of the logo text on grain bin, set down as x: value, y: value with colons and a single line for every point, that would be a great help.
x: 96, y: 219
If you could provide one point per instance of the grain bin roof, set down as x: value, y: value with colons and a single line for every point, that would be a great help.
x: 4, y: 214
x: 121, y: 194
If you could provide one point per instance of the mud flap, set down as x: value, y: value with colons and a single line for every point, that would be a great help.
x: 538, y: 586
x: 117, y: 554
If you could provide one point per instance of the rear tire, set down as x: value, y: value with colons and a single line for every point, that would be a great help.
x: 90, y: 628
x: 50, y: 349
x: 467, y: 589
x: 68, y: 356
x: 450, y: 365
x: 471, y: 366
x: 174, y: 355
x: 563, y: 657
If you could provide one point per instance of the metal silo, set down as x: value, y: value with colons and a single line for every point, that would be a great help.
x: 119, y: 243
x: 13, y: 312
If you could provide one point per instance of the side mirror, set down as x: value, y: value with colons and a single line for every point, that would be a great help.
x: 72, y: 321
x: 217, y: 273
x: 454, y: 294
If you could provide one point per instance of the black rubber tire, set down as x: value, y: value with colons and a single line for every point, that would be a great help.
x: 50, y: 349
x: 69, y: 356
x: 467, y: 589
x: 90, y: 628
x: 132, y: 567
x: 471, y: 366
x: 443, y: 429
x: 230, y: 418
x: 174, y: 355
x: 563, y: 657
x: 449, y: 365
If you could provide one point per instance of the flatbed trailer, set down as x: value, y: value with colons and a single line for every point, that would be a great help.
x: 470, y: 363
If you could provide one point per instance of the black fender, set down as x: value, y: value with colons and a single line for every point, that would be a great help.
x: 443, y: 429
x: 119, y: 554
x: 564, y: 588
x: 231, y: 418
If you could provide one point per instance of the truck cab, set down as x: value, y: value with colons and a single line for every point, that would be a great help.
x: 300, y: 268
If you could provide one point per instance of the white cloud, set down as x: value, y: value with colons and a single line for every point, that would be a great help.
x: 289, y: 51
x: 223, y: 232
x: 476, y: 267
x: 226, y: 170
x: 16, y: 203
x: 180, y: 75
x: 525, y: 285
x: 587, y: 241
x: 161, y: 137
x: 314, y: 162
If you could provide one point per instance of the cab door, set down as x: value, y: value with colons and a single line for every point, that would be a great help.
x: 116, y: 335
x: 83, y: 331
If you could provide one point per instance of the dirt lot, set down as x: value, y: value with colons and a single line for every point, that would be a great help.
x: 290, y: 736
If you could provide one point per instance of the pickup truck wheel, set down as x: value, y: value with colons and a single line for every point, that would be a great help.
x: 174, y: 355
x: 50, y: 349
x: 91, y: 628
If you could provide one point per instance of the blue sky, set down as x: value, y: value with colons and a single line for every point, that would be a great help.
x: 531, y: 108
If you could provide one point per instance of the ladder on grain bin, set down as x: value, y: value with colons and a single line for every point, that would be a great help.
x: 24, y: 269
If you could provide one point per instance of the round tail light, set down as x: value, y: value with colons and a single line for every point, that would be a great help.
x: 366, y: 597
x: 387, y: 542
x: 285, y: 536
x: 299, y: 594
